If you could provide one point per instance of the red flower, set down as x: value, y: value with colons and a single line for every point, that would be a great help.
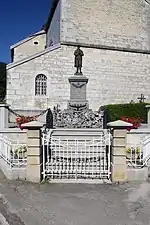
x: 24, y: 119
x: 135, y: 121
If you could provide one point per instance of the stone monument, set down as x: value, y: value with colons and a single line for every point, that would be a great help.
x: 78, y: 84
x: 77, y: 114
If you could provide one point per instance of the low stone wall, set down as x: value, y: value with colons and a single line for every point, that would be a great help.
x: 12, y: 173
x: 137, y: 174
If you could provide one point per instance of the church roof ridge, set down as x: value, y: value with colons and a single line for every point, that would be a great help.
x: 27, y: 38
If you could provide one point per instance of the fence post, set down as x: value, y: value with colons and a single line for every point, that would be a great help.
x: 3, y: 116
x: 34, y: 153
x: 118, y: 153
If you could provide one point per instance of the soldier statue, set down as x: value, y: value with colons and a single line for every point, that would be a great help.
x: 78, y: 60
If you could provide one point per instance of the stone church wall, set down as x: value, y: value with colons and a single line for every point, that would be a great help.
x: 29, y: 48
x: 121, y: 23
x: 114, y: 77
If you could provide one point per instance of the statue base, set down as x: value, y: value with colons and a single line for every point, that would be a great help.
x: 77, y: 91
x: 78, y: 73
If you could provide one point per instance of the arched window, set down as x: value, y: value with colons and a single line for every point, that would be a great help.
x: 40, y: 84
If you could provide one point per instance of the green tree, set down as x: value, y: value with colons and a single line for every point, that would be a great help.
x: 2, y: 81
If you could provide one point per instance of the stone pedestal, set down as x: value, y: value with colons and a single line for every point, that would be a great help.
x: 118, y: 153
x: 78, y: 85
x: 34, y: 159
x: 119, y: 167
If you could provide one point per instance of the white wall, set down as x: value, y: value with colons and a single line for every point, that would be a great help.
x: 28, y: 48
x: 114, y: 77
x: 118, y: 23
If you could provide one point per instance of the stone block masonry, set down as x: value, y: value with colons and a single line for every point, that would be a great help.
x: 28, y: 48
x: 114, y: 77
x: 119, y: 23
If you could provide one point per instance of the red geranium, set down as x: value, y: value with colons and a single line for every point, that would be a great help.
x: 135, y: 121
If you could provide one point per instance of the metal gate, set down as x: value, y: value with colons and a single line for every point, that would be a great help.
x: 76, y: 159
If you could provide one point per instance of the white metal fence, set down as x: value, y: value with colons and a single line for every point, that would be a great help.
x: 14, y: 154
x: 134, y: 155
x: 138, y: 155
x: 76, y: 159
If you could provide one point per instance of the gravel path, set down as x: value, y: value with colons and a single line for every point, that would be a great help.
x: 74, y: 204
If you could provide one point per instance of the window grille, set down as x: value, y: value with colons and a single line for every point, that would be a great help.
x: 40, y: 84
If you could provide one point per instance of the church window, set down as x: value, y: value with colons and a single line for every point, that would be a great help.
x: 40, y: 84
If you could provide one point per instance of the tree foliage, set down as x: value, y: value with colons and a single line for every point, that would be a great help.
x: 2, y: 81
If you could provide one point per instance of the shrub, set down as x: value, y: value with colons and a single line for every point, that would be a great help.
x: 117, y: 111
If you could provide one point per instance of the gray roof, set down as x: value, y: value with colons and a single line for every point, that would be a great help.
x: 51, y: 13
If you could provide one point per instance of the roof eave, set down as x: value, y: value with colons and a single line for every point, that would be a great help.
x: 51, y: 13
x: 27, y: 39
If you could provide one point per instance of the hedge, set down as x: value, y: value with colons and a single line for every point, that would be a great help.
x: 116, y: 111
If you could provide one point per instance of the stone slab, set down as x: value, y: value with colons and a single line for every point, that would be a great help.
x: 119, y: 124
